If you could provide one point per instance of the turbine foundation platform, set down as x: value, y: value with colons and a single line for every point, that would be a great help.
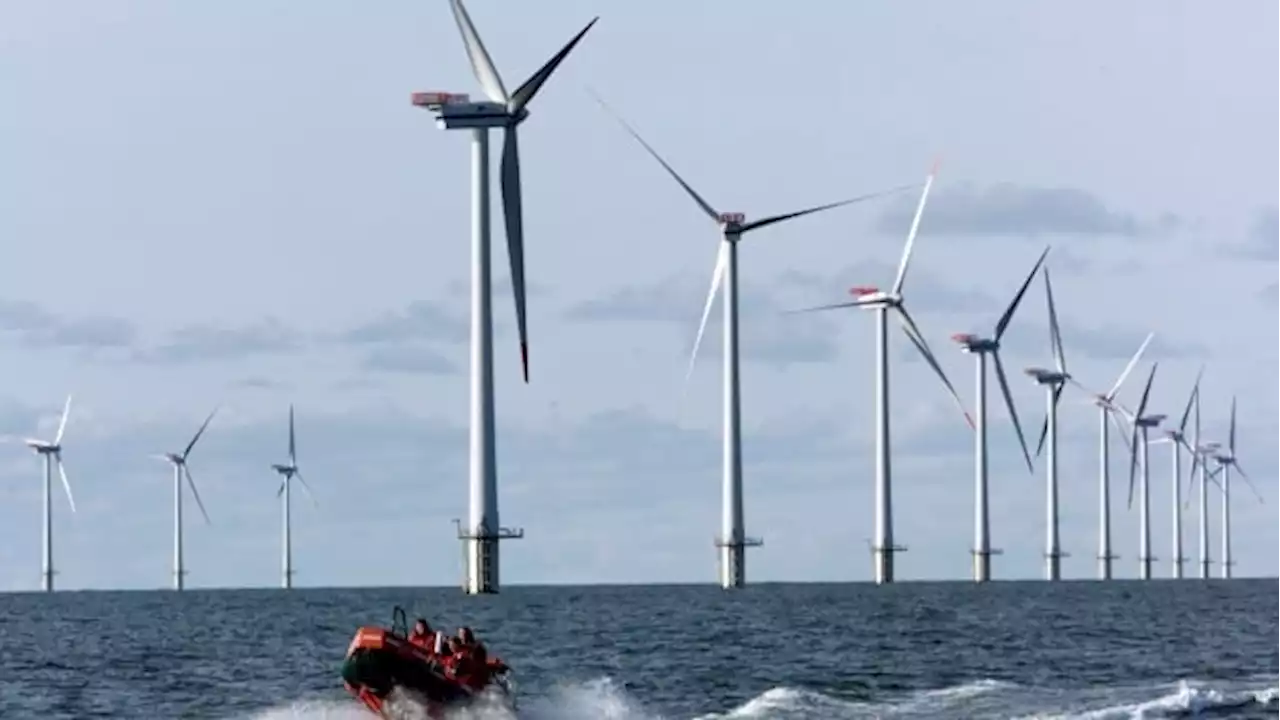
x: 732, y: 560
x: 480, y: 557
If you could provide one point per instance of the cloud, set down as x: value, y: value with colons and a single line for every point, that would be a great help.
x: 1007, y: 209
x: 768, y: 335
x: 37, y: 327
x: 410, y: 358
x: 1270, y: 294
x: 1263, y: 241
x: 500, y: 286
x: 204, y: 341
x: 420, y: 320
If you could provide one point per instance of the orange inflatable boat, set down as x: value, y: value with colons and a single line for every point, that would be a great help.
x: 380, y: 661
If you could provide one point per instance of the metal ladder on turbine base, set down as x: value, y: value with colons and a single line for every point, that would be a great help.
x: 736, y: 572
x: 488, y: 579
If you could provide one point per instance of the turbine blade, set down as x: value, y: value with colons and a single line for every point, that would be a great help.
x: 1191, y: 399
x: 199, y: 432
x: 280, y: 490
x: 62, y: 424
x: 191, y: 481
x: 512, y: 213
x: 765, y: 222
x: 915, y: 228
x: 1013, y: 411
x: 913, y: 333
x: 1013, y: 306
x: 306, y: 488
x: 1142, y: 407
x: 293, y: 445
x: 1235, y: 463
x: 1055, y: 333
x: 1115, y: 420
x: 706, y: 207
x: 717, y: 274
x: 481, y: 63
x: 1044, y: 434
x: 1231, y: 434
x: 816, y: 308
x: 1133, y: 362
x: 66, y: 485
x: 525, y: 93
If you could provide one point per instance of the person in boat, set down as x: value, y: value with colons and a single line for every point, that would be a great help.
x: 468, y: 640
x: 422, y: 636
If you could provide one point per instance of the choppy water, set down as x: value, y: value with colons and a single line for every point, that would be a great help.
x: 1005, y: 650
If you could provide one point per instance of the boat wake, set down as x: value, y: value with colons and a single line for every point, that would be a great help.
x: 604, y: 699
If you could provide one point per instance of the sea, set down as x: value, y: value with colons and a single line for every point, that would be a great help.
x: 1078, y: 649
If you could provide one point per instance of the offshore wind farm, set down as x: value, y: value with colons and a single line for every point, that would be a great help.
x: 597, y: 217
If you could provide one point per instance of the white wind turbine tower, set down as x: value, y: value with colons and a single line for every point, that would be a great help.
x: 180, y: 468
x: 1053, y: 382
x: 732, y: 542
x: 455, y: 111
x: 980, y: 347
x: 1142, y: 424
x: 287, y: 474
x: 1226, y: 462
x: 52, y: 453
x: 1109, y: 411
x: 881, y: 302
x: 1177, y: 439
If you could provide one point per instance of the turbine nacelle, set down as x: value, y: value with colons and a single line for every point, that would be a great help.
x: 455, y: 116
x: 284, y: 469
x: 174, y: 458
x: 1149, y: 421
x: 1046, y: 377
x: 42, y: 446
x: 975, y: 344
x: 867, y: 295
x: 732, y: 222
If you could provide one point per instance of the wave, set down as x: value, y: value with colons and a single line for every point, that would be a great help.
x: 604, y: 699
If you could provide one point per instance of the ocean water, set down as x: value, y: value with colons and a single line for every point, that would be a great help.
x: 911, y: 650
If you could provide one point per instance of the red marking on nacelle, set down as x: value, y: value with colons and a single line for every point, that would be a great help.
x: 963, y: 337
x: 860, y: 290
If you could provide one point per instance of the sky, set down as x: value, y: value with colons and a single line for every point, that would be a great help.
x: 234, y: 204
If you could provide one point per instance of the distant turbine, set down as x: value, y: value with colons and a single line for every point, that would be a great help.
x: 52, y: 453
x: 1178, y: 440
x: 1204, y: 451
x: 980, y: 347
x: 1053, y: 382
x: 881, y: 302
x: 455, y: 111
x: 1227, y: 461
x: 180, y: 468
x: 733, y: 541
x: 1142, y: 424
x: 1109, y: 410
x: 288, y: 473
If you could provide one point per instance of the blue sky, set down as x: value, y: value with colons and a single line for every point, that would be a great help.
x: 235, y: 203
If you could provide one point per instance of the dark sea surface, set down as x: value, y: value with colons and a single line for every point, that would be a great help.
x: 927, y: 650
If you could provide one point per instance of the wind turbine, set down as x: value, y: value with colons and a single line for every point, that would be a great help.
x: 980, y: 347
x: 288, y: 473
x: 1109, y: 411
x: 52, y: 453
x: 1178, y: 440
x: 1053, y: 382
x: 1226, y: 462
x: 455, y: 111
x: 1142, y: 424
x: 180, y: 468
x: 881, y: 302
x: 732, y: 542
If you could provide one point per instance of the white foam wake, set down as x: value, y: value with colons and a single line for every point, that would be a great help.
x: 603, y: 699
